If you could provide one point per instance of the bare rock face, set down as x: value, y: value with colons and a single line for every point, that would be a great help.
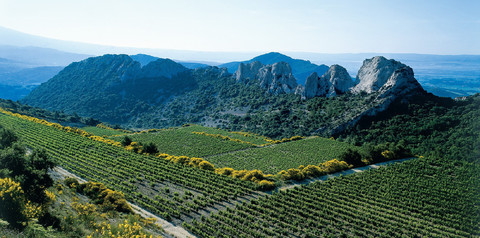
x: 374, y: 73
x: 335, y: 81
x: 339, y: 80
x: 401, y: 83
x: 276, y: 78
x: 395, y: 81
x: 315, y: 86
x: 300, y: 90
x: 247, y: 72
x: 389, y: 78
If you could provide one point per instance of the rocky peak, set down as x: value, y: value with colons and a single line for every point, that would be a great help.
x: 401, y: 83
x: 276, y: 78
x: 374, y: 73
x: 247, y: 72
x: 339, y: 80
x: 315, y: 86
x: 389, y: 78
x: 335, y: 81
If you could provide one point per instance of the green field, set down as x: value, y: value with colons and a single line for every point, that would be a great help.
x: 102, y: 131
x: 274, y: 158
x: 417, y: 198
x: 181, y: 141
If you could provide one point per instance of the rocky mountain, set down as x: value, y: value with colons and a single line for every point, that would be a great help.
x: 374, y: 73
x: 384, y: 82
x: 257, y: 97
x: 335, y: 81
x: 111, y: 87
x: 276, y: 78
x: 387, y: 77
x: 301, y: 69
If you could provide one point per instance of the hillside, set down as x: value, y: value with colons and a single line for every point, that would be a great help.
x: 113, y: 88
x: 438, y: 192
x: 258, y: 98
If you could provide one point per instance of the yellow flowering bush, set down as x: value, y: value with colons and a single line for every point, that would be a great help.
x: 12, y: 202
x: 126, y: 229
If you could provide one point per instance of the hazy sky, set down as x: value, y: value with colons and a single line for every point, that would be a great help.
x: 412, y: 26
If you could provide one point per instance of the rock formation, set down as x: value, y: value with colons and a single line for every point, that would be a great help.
x: 335, y: 81
x: 374, y: 73
x: 387, y: 77
x: 247, y: 72
x: 338, y: 79
x: 276, y: 78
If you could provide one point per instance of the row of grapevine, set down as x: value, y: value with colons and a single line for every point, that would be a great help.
x: 418, y: 198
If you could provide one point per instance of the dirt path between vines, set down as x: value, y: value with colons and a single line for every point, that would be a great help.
x: 169, y: 228
x: 345, y: 172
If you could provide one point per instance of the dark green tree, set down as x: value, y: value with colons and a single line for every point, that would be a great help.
x: 352, y: 157
x: 150, y: 148
x: 126, y: 141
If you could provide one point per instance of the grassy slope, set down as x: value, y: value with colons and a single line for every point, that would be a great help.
x: 273, y: 159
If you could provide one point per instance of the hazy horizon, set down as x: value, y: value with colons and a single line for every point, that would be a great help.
x: 443, y: 27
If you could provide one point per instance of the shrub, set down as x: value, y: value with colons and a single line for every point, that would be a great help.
x: 12, y: 202
x: 225, y: 171
x: 205, y: 165
x: 71, y: 182
x: 352, y: 157
x: 150, y: 148
x: 312, y: 171
x: 266, y: 185
x: 126, y: 141
x: 115, y: 200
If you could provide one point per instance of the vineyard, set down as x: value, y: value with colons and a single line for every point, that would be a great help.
x: 272, y: 159
x: 168, y: 189
x: 418, y: 198
x: 182, y: 142
x: 102, y: 131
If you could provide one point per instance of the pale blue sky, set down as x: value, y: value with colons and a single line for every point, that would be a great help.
x: 412, y: 26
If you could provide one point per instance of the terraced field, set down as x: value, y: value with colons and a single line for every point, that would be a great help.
x: 274, y: 158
